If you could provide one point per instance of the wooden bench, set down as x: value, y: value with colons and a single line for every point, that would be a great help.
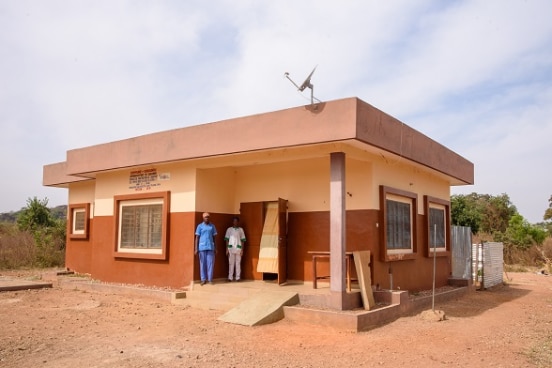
x: 316, y: 255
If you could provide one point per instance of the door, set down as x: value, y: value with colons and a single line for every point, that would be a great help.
x: 282, y: 241
x: 253, y: 215
x: 252, y: 218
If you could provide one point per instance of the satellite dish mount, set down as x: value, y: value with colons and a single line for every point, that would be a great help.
x: 306, y: 84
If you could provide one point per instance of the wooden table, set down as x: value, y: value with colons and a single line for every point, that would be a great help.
x: 326, y: 254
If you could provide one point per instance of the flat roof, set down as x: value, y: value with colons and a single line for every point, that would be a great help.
x: 349, y: 119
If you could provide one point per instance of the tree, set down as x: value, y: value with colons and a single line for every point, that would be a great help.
x: 464, y: 212
x: 522, y: 234
x: 548, y: 212
x: 482, y: 212
x: 35, y: 216
x: 496, y: 213
x: 47, y: 231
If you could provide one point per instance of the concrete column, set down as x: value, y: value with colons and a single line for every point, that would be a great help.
x: 337, y: 228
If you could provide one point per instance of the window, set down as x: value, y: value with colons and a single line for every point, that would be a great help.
x: 399, y: 210
x: 79, y: 215
x: 437, y: 213
x: 78, y: 221
x: 142, y: 225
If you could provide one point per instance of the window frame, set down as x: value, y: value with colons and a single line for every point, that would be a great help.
x: 142, y: 199
x: 71, y: 211
x: 433, y: 202
x: 388, y: 255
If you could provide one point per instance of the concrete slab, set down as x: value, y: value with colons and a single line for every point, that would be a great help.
x: 10, y: 284
x: 263, y: 308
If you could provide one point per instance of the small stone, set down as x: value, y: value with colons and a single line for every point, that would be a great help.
x: 436, y: 316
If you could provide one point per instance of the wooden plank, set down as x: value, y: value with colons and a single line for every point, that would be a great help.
x: 362, y: 266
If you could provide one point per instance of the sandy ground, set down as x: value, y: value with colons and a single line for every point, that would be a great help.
x: 509, y: 326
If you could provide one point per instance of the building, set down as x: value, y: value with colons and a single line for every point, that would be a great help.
x: 337, y: 176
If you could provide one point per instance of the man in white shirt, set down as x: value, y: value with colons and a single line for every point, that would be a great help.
x: 235, y: 239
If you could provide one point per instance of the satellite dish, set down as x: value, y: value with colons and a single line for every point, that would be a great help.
x: 306, y: 84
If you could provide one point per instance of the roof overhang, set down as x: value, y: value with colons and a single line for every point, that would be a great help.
x: 347, y: 120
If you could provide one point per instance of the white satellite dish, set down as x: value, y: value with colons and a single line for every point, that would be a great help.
x: 306, y: 84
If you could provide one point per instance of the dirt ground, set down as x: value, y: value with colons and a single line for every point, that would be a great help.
x: 508, y: 326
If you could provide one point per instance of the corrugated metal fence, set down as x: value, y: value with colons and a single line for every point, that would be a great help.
x: 461, y: 247
x: 488, y: 263
x: 483, y: 263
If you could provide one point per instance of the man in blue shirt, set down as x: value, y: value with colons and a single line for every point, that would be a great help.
x: 205, y: 244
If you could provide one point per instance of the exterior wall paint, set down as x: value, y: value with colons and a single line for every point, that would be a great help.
x: 182, y: 184
x: 215, y: 190
x: 309, y: 231
x: 305, y: 183
x: 78, y: 252
x: 82, y: 192
x: 176, y: 271
x: 399, y: 175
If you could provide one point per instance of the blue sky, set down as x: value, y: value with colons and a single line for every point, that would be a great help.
x: 474, y: 75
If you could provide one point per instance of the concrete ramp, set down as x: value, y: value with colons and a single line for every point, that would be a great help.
x: 261, y: 309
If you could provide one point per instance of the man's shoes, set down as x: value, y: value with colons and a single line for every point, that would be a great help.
x: 202, y: 283
x: 229, y: 280
x: 237, y: 280
x: 210, y: 282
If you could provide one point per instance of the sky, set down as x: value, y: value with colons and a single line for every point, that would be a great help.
x: 476, y: 76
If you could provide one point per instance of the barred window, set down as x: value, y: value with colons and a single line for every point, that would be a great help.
x: 78, y: 216
x: 437, y: 225
x: 78, y: 220
x: 142, y: 225
x: 399, y: 224
x: 437, y: 228
x: 399, y: 210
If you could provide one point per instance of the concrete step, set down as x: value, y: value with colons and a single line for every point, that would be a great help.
x: 262, y: 308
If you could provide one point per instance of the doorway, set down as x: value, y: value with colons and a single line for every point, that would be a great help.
x: 265, y: 225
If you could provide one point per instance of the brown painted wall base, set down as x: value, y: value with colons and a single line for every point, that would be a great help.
x: 78, y: 252
x: 307, y: 231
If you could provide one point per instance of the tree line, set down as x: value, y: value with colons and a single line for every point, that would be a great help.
x: 495, y: 218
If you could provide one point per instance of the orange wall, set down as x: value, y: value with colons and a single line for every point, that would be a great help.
x: 78, y: 252
x: 309, y: 231
x: 176, y: 271
x: 179, y: 270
